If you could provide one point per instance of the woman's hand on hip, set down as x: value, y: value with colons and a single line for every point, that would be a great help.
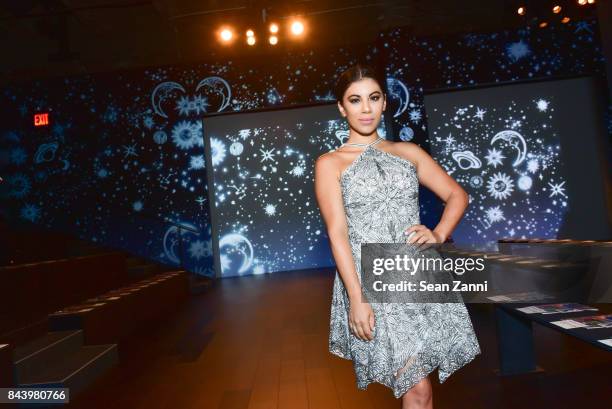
x: 421, y: 236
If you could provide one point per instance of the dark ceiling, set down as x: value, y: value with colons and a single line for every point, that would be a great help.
x: 42, y: 38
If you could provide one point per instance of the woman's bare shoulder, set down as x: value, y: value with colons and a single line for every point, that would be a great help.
x: 327, y: 157
x: 328, y: 161
x: 405, y: 146
x: 407, y: 150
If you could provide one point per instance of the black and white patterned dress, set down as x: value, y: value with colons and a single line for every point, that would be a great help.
x: 380, y: 194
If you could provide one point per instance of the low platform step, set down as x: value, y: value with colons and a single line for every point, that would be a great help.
x: 49, y: 340
x: 37, y: 354
x: 74, y: 371
x: 142, y: 270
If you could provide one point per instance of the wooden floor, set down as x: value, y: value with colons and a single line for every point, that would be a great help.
x: 260, y: 342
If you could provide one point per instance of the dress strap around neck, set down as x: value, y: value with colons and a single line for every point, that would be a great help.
x: 376, y: 141
x: 364, y: 144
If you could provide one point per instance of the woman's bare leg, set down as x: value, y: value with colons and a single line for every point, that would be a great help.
x: 419, y: 396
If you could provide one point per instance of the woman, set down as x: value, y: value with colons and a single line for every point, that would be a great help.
x: 367, y: 191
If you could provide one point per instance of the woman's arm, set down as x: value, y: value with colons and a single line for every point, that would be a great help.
x: 329, y: 199
x: 435, y: 178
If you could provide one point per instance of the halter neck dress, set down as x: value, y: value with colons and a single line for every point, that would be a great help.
x: 380, y: 195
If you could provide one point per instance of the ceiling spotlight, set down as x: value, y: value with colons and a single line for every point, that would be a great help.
x: 226, y: 35
x: 582, y: 2
x: 557, y: 9
x: 565, y: 20
x: 591, y: 1
x: 250, y: 33
x: 251, y: 40
x: 273, y: 40
x: 521, y: 11
x: 274, y: 28
x: 543, y: 24
x: 297, y: 28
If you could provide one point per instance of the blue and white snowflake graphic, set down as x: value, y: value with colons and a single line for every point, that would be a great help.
x: 508, y: 161
x: 187, y: 134
x: 30, y: 212
x: 197, y: 162
x: 517, y: 50
x: 19, y: 185
x: 200, y: 249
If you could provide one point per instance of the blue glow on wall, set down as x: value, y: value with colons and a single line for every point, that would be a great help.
x: 122, y: 162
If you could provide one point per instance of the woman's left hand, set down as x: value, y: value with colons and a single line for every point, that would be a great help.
x: 423, y: 235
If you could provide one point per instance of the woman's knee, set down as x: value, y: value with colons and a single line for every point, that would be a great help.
x: 421, y: 391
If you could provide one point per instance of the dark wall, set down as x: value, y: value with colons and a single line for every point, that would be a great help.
x: 416, y: 66
x: 121, y: 162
